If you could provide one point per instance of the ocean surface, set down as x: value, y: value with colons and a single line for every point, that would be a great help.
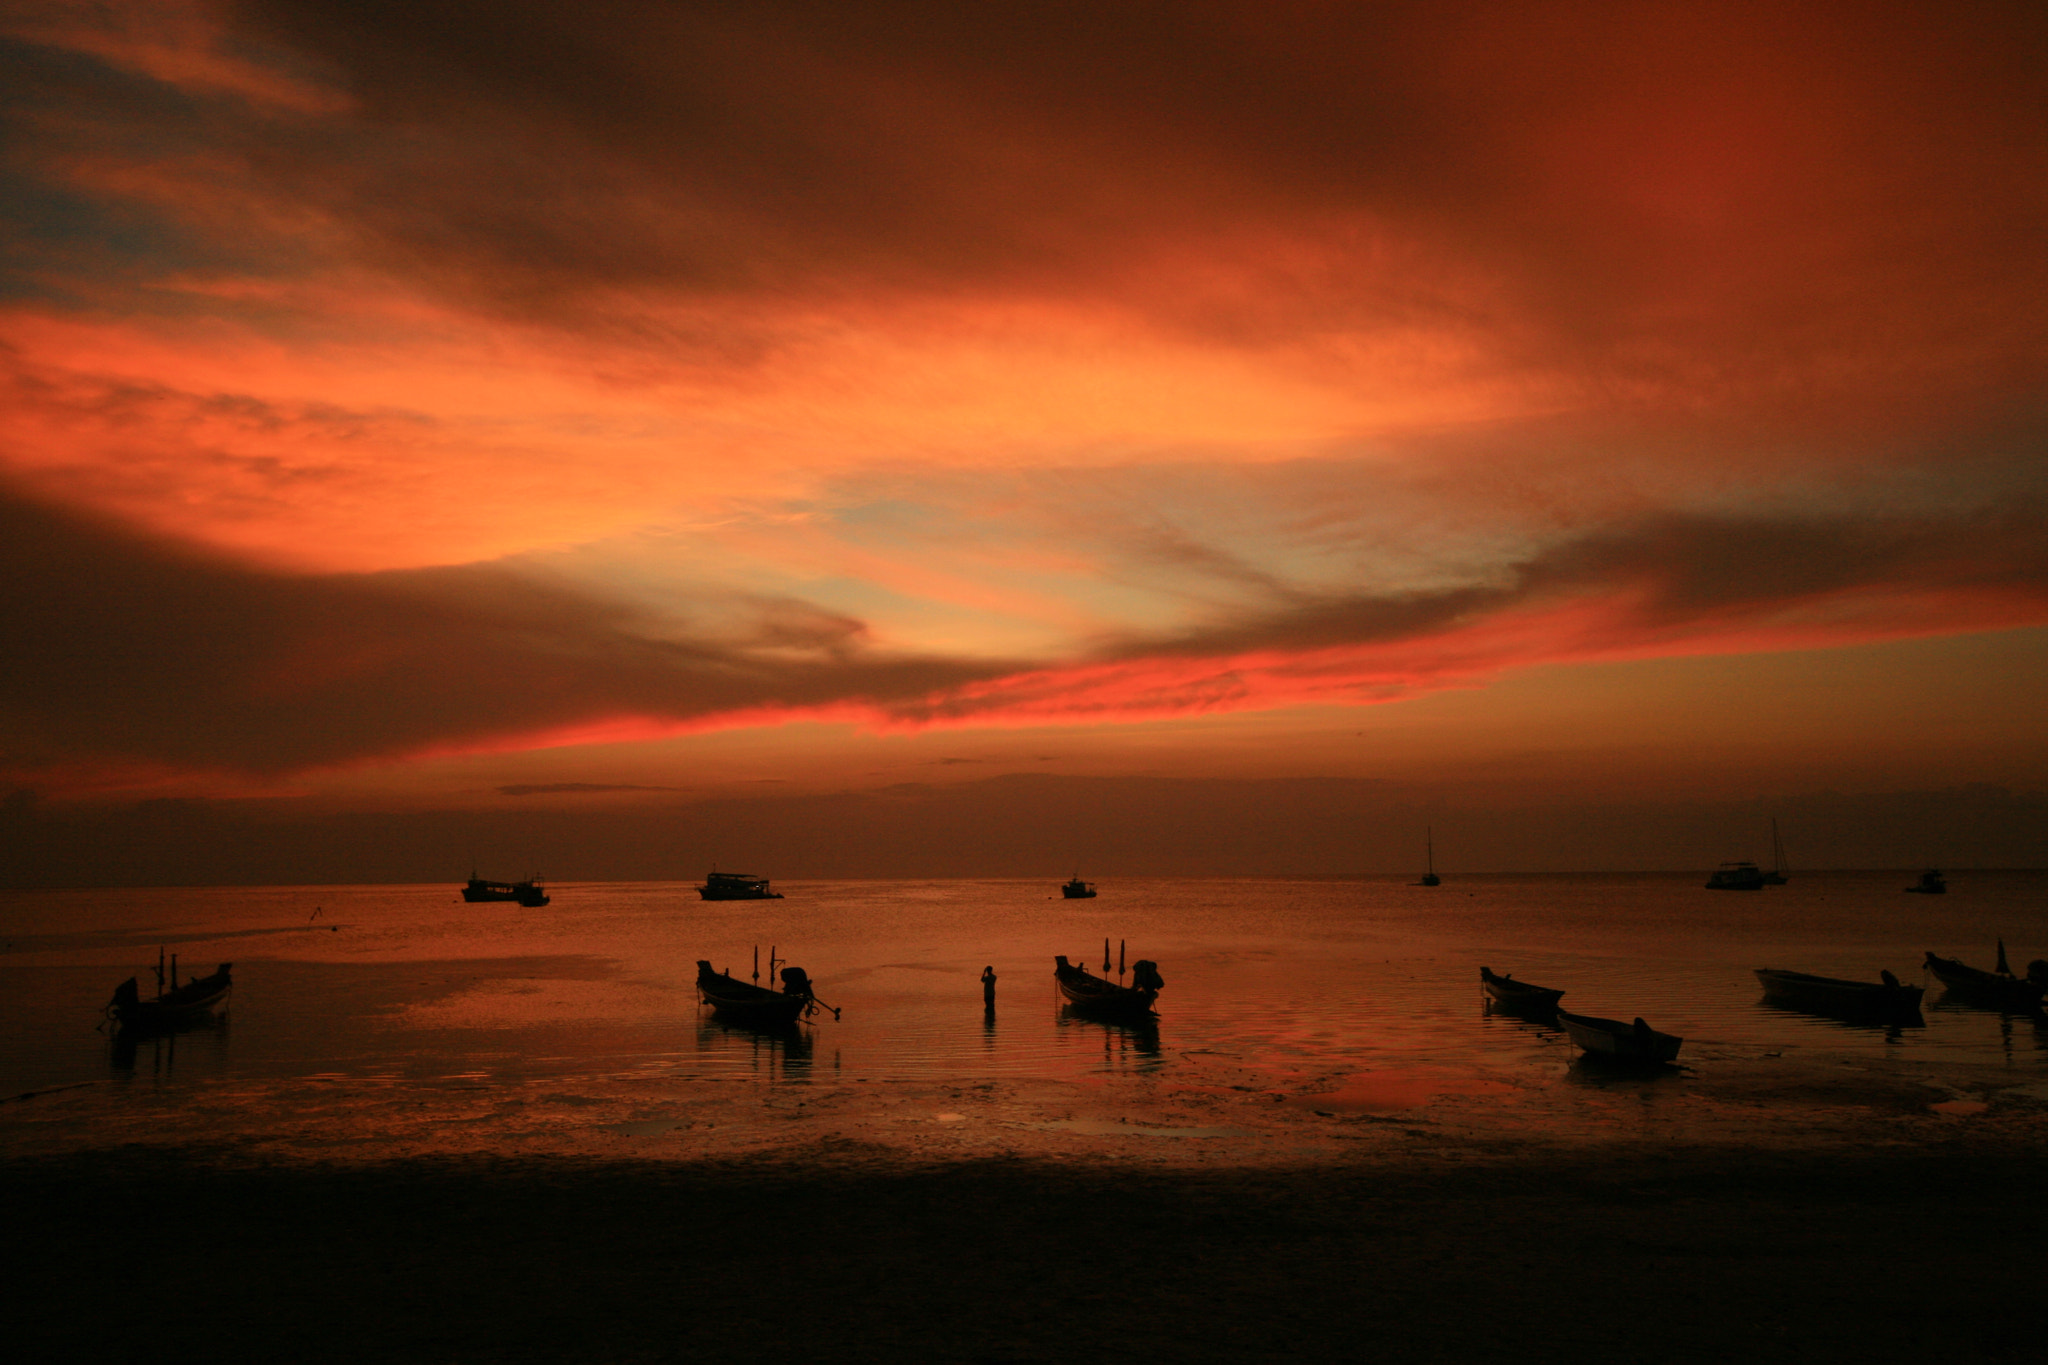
x: 1283, y: 979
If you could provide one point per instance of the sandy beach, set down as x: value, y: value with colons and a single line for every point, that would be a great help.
x: 1763, y: 1208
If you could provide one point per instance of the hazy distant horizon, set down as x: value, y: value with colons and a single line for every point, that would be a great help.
x: 1013, y: 827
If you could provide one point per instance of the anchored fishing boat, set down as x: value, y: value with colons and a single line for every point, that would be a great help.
x: 1101, y: 996
x: 1999, y: 990
x: 174, y: 1005
x: 1510, y: 996
x: 1885, y: 998
x: 529, y: 892
x: 736, y: 886
x: 744, y: 1002
x: 1636, y: 1042
x: 1931, y: 883
x: 1739, y: 876
x: 1078, y: 890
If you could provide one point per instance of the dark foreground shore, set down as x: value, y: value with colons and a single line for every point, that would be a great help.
x: 1664, y: 1252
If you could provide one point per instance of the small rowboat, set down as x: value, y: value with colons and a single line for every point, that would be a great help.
x: 1518, y: 997
x: 742, y: 1002
x: 1094, y: 995
x: 1636, y: 1042
x: 1996, y: 990
x: 1883, y: 999
x: 173, y: 1008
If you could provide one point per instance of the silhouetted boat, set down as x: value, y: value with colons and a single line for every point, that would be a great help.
x: 1077, y: 890
x: 1999, y: 990
x: 745, y: 1003
x: 528, y: 892
x: 736, y: 886
x: 1429, y: 878
x: 1612, y: 1038
x: 1886, y: 998
x: 1776, y: 876
x: 1518, y: 997
x: 1096, y: 995
x: 1931, y: 883
x: 172, y: 1007
x: 1743, y: 876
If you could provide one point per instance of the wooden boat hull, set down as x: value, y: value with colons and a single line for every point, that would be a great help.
x: 174, y: 1009
x: 1973, y: 985
x: 1518, y: 997
x: 1104, y: 999
x: 1612, y: 1038
x: 742, y: 1002
x: 1844, y: 999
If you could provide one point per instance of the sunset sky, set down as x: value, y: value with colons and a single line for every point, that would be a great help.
x: 516, y: 421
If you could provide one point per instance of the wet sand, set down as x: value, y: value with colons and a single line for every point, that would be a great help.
x: 1756, y: 1207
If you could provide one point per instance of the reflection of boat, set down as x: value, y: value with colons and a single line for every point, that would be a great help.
x: 1743, y: 876
x: 1429, y: 878
x: 1776, y: 876
x: 1518, y: 997
x: 1612, y: 1038
x: 736, y: 886
x: 1139, y: 1031
x: 745, y: 1003
x: 1883, y: 999
x: 171, y: 1008
x: 1931, y: 883
x: 528, y: 892
x: 1077, y: 890
x: 1999, y: 990
x: 792, y: 1041
x: 1096, y: 995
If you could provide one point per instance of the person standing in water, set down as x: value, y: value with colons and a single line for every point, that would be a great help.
x: 988, y: 989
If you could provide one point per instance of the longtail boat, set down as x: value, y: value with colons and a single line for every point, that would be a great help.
x: 1886, y: 998
x: 173, y: 1005
x: 745, y: 1003
x: 1518, y: 997
x: 1636, y: 1042
x: 1999, y: 990
x: 1098, y: 995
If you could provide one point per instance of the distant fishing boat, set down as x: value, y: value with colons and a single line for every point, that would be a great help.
x: 529, y: 892
x: 743, y: 1002
x: 1078, y: 890
x: 1742, y: 876
x: 1518, y: 997
x: 1098, y: 995
x: 1611, y: 1038
x: 1931, y: 883
x: 173, y: 1005
x: 1777, y: 875
x: 736, y: 886
x: 1885, y: 998
x: 1429, y: 878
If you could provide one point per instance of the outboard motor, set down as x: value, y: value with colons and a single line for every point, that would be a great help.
x: 1145, y: 976
x: 795, y: 982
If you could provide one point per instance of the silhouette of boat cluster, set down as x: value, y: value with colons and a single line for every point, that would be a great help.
x: 1886, y: 1000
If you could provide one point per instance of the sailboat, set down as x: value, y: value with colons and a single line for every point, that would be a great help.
x: 1776, y: 876
x: 1429, y: 878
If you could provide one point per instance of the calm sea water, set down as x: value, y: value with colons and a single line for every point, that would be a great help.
x: 1282, y: 977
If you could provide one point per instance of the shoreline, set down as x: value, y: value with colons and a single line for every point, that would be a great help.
x: 1761, y: 1208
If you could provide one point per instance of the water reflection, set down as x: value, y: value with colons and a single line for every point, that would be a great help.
x: 1599, y: 1069
x: 203, y: 1038
x: 1124, y: 1041
x: 775, y: 1051
x: 1890, y: 1025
